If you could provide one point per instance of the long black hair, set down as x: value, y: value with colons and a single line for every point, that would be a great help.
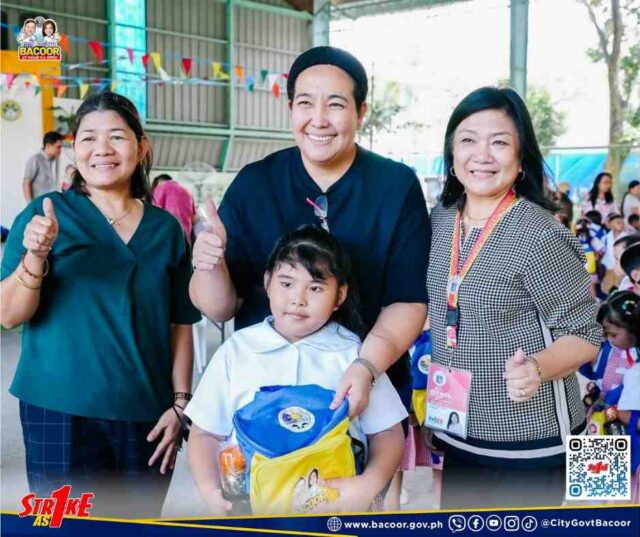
x: 593, y: 193
x: 622, y: 308
x: 533, y: 184
x: 322, y: 256
x: 107, y: 100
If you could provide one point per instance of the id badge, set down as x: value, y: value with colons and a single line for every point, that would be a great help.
x: 453, y: 287
x: 448, y: 399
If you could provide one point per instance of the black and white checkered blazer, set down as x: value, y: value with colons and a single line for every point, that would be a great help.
x: 527, y: 287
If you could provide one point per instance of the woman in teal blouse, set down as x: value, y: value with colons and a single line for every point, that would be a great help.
x: 99, y: 277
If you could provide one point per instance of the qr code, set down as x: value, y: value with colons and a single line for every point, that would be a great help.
x: 598, y: 467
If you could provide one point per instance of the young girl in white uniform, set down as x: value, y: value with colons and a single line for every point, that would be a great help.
x: 308, y: 339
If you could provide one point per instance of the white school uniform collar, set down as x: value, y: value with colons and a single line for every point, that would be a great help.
x: 263, y: 338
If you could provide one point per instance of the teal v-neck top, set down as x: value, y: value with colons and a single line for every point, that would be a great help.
x: 99, y: 344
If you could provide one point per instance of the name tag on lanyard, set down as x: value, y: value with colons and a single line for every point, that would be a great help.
x: 448, y: 399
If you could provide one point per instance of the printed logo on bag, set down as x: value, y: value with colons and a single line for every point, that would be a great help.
x: 49, y: 512
x: 307, y: 494
x: 440, y: 379
x: 296, y: 419
x: 423, y: 364
x: 39, y: 40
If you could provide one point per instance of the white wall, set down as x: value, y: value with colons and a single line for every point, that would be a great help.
x: 18, y: 141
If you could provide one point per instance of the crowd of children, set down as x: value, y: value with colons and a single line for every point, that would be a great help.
x: 612, y: 251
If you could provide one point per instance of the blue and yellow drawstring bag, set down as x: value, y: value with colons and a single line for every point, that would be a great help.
x: 290, y: 439
x: 420, y: 363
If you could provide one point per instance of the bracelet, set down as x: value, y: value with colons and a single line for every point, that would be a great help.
x: 369, y: 367
x: 36, y: 276
x: 25, y: 284
x: 537, y: 364
x: 185, y: 396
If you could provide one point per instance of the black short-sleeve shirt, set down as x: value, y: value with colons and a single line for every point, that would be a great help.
x: 376, y: 210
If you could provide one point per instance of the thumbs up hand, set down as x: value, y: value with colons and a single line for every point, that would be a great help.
x: 521, y: 377
x: 42, y: 231
x: 209, y: 248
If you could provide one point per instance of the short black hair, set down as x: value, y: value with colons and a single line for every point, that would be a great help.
x: 159, y: 178
x: 594, y: 216
x: 633, y: 218
x: 630, y: 260
x: 51, y: 138
x: 337, y: 57
x: 533, y: 185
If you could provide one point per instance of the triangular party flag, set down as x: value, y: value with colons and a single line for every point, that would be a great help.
x: 249, y: 83
x: 78, y: 81
x: 186, y: 66
x: 83, y: 90
x: 285, y: 75
x: 218, y: 72
x: 64, y: 43
x: 130, y: 54
x: 97, y: 50
x: 240, y: 73
x: 10, y: 77
x: 155, y: 56
x: 164, y: 75
x: 272, y: 82
x: 263, y: 75
x: 145, y: 60
x: 37, y: 90
x: 61, y: 89
x: 56, y: 83
x: 114, y: 85
x: 103, y: 86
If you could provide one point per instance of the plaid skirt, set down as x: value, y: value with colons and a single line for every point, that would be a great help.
x: 106, y: 457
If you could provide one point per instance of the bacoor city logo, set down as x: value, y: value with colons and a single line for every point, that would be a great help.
x: 440, y: 379
x: 296, y: 419
x: 39, y: 40
x: 424, y: 363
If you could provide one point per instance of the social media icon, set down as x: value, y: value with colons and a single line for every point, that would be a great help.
x: 511, y: 523
x: 529, y: 524
x: 457, y: 523
x: 494, y: 523
x: 476, y: 523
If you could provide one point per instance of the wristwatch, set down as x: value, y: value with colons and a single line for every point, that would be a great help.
x: 370, y: 367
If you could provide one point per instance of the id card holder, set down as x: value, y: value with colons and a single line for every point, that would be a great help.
x: 448, y: 399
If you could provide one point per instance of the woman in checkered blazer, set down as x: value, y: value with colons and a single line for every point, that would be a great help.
x: 514, y: 311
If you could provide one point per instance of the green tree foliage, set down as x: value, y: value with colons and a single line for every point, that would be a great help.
x: 617, y: 25
x: 548, y: 121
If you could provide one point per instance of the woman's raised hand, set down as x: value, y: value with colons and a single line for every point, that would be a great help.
x: 209, y: 248
x: 42, y: 231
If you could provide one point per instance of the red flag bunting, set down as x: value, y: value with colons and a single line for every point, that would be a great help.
x: 130, y: 54
x: 56, y: 83
x: 276, y: 90
x: 97, y: 50
x: 145, y: 60
x: 64, y: 43
x: 186, y: 66
x: 10, y: 77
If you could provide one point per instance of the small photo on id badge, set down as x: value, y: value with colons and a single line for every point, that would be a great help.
x: 448, y: 399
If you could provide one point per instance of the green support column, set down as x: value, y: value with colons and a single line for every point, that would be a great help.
x: 518, y: 50
x: 231, y: 96
x: 321, y: 20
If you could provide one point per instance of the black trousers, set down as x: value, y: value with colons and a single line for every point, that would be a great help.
x: 466, y: 486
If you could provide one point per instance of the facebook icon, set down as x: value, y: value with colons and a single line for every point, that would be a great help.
x: 475, y: 523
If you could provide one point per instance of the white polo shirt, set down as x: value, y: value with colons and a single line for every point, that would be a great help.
x: 259, y: 356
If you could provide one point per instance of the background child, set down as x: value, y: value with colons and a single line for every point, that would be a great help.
x: 305, y: 341
x: 620, y: 318
x: 630, y: 263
